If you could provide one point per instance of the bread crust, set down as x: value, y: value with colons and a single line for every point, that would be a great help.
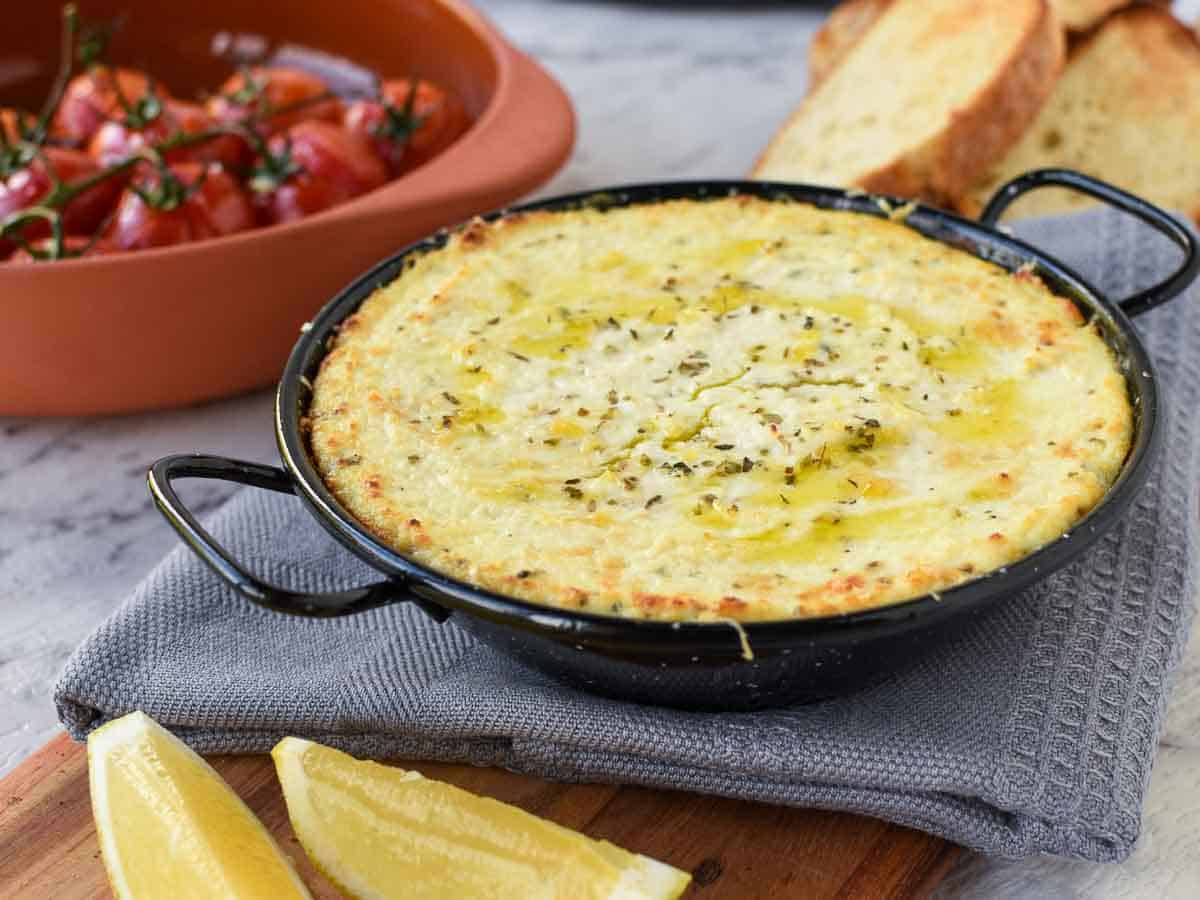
x: 973, y: 137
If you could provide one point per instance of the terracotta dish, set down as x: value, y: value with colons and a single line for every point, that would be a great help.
x: 179, y: 325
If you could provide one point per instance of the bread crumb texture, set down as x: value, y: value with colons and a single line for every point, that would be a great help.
x: 728, y: 409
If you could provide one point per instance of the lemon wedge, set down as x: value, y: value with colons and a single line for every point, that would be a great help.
x: 382, y: 832
x: 170, y: 827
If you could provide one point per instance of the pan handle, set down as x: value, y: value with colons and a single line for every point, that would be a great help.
x: 1158, y: 219
x: 254, y: 589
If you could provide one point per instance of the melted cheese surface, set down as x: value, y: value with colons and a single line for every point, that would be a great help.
x: 727, y: 409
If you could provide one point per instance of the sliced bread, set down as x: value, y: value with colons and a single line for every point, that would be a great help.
x: 849, y: 21
x: 1127, y: 110
x: 924, y: 103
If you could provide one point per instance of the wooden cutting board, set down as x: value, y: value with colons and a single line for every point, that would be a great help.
x: 733, y: 849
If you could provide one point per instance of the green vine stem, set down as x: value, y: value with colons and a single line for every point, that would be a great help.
x: 12, y: 226
x: 66, y: 67
x: 401, y: 123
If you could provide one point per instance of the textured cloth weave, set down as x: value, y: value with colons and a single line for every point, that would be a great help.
x: 1035, y: 731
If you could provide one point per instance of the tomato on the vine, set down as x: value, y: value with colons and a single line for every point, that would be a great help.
x: 112, y: 154
x: 117, y: 140
x: 93, y: 98
x: 229, y: 150
x: 313, y: 166
x: 408, y: 129
x: 274, y: 98
x: 35, y: 180
x: 179, y: 203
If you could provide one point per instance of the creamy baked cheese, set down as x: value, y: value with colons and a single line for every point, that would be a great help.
x: 729, y: 409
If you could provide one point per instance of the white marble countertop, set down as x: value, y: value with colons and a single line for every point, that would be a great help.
x: 662, y: 90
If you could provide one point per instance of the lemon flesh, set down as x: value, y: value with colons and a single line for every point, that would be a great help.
x: 169, y: 826
x: 381, y: 832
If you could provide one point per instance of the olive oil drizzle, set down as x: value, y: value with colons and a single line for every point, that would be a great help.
x: 559, y: 324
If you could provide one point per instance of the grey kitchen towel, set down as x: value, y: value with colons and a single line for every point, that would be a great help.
x: 1033, y: 732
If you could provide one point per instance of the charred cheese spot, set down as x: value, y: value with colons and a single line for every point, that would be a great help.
x: 724, y: 410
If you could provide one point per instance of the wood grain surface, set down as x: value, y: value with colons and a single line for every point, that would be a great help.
x: 733, y: 849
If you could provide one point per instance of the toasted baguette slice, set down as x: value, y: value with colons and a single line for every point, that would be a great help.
x: 1127, y: 110
x: 927, y: 100
x: 850, y: 20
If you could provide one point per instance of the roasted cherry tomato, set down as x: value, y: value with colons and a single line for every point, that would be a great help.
x: 408, y: 130
x: 118, y: 140
x: 275, y: 98
x: 313, y: 166
x: 179, y: 203
x: 30, y: 184
x: 229, y: 150
x: 95, y: 97
x: 73, y: 247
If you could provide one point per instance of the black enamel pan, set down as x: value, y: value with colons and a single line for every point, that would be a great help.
x: 689, y: 664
